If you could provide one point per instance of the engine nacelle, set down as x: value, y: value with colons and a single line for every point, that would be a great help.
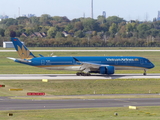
x: 106, y: 70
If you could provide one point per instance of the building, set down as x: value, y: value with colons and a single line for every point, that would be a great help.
x: 104, y: 14
x: 8, y: 44
x: 4, y: 17
x: 158, y: 18
x: 28, y: 15
x: 38, y: 34
x: 65, y: 33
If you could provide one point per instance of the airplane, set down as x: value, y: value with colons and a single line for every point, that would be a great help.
x: 84, y: 65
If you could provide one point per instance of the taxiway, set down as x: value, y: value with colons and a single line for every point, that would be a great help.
x: 73, y: 76
x: 11, y: 104
x: 18, y: 104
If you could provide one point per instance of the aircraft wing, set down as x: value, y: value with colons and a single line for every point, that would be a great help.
x: 87, y: 66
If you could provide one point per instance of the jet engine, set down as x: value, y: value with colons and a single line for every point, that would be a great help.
x: 106, y: 70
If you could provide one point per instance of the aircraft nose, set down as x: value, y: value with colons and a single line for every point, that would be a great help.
x: 152, y: 65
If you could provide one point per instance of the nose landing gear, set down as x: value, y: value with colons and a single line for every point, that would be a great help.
x: 145, y: 73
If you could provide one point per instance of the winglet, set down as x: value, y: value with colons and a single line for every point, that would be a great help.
x: 41, y: 55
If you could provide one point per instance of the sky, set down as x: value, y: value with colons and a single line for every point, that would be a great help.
x: 127, y: 9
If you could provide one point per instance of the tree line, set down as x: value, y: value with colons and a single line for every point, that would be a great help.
x: 80, y: 32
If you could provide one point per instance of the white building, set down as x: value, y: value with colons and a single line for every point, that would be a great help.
x: 8, y: 44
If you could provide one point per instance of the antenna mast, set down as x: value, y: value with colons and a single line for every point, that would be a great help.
x: 92, y: 9
x: 19, y: 11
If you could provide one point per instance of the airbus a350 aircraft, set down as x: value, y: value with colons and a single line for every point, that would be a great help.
x: 83, y: 65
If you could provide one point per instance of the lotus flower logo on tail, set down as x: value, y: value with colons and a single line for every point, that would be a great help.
x: 21, y: 49
x: 23, y: 53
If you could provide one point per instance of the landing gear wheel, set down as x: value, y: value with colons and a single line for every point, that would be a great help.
x: 82, y: 74
x: 145, y: 73
x: 78, y: 74
x: 88, y: 74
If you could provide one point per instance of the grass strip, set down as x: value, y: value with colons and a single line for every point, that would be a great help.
x: 82, y: 87
x: 143, y: 113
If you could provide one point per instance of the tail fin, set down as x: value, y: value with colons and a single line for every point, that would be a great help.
x: 21, y: 49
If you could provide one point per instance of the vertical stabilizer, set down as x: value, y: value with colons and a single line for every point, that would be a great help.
x: 21, y: 49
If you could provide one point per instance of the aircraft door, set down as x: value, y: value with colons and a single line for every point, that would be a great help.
x: 43, y: 62
x: 141, y: 61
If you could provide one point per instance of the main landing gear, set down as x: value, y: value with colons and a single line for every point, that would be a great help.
x: 82, y: 74
x: 145, y: 73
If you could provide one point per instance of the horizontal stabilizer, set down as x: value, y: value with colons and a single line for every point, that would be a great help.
x: 11, y: 58
x: 19, y: 60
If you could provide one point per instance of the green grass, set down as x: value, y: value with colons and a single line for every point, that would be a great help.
x: 88, y: 48
x: 10, y: 67
x: 143, y: 113
x: 82, y: 87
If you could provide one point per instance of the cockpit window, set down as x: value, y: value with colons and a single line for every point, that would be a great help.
x: 146, y: 61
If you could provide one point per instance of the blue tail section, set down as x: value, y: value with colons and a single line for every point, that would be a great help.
x: 21, y: 49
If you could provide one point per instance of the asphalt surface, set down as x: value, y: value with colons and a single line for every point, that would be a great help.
x: 11, y: 104
x: 14, y: 104
x: 73, y: 76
